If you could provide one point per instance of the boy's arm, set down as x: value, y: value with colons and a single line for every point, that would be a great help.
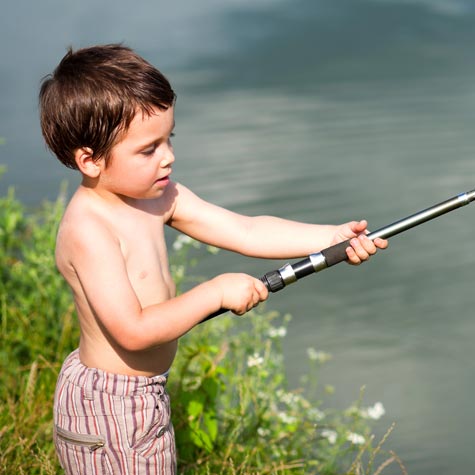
x: 99, y: 266
x: 265, y: 236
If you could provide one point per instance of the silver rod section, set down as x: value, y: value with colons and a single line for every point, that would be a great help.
x: 423, y: 216
x: 337, y: 253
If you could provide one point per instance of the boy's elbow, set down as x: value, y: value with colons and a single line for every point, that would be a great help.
x: 130, y: 338
x: 138, y: 339
x: 135, y: 332
x: 134, y: 342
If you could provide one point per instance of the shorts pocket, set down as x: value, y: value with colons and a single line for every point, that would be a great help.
x: 81, y: 453
x: 158, y: 433
x: 91, y: 442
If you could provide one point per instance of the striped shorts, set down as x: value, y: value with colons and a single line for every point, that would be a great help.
x: 111, y: 424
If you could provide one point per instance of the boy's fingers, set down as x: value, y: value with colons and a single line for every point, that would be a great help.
x: 367, y: 244
x: 256, y: 299
x: 360, y: 226
x: 352, y: 256
x: 381, y: 243
x: 362, y: 247
x: 262, y: 290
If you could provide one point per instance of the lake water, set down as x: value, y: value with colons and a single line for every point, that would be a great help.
x: 315, y: 110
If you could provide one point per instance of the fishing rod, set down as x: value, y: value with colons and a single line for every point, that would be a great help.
x: 288, y: 274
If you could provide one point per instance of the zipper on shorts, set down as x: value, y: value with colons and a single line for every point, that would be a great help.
x: 93, y: 442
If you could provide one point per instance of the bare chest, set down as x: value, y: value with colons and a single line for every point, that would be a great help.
x: 144, y: 249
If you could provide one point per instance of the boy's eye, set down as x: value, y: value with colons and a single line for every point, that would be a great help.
x: 149, y: 151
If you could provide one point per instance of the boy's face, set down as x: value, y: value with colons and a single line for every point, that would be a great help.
x: 140, y: 163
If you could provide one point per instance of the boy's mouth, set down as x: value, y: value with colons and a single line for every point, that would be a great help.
x: 164, y: 180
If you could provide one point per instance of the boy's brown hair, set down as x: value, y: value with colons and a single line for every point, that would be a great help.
x: 92, y: 97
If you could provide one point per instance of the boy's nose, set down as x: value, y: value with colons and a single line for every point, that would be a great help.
x: 168, y: 158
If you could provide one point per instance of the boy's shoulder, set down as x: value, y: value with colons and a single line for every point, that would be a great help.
x: 81, y: 225
x: 80, y: 213
x: 88, y: 216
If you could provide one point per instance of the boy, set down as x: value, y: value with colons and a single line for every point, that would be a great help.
x: 108, y: 113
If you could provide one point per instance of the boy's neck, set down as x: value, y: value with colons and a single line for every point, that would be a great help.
x: 92, y: 188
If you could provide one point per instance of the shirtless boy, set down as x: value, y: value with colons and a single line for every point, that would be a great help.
x: 109, y: 114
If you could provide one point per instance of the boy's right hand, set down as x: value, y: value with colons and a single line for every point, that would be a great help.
x: 240, y: 292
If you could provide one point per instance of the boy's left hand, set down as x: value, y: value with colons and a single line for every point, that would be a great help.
x: 361, y: 247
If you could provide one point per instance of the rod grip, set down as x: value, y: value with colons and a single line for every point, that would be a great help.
x: 336, y: 254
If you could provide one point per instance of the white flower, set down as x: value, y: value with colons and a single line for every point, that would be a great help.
x: 355, y: 438
x: 290, y: 399
x: 316, y: 414
x: 320, y: 356
x: 263, y: 432
x: 376, y: 412
x: 183, y: 240
x: 286, y: 419
x: 254, y: 360
x: 178, y: 271
x: 330, y: 435
x: 277, y: 332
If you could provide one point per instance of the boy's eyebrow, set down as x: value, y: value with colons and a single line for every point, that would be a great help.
x: 152, y: 142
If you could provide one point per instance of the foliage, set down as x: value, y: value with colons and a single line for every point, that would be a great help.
x: 36, y: 330
x: 233, y: 412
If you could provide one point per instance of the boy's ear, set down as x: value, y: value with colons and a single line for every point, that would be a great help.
x: 85, y: 162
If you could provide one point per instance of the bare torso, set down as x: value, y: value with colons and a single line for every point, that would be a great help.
x: 139, y: 233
